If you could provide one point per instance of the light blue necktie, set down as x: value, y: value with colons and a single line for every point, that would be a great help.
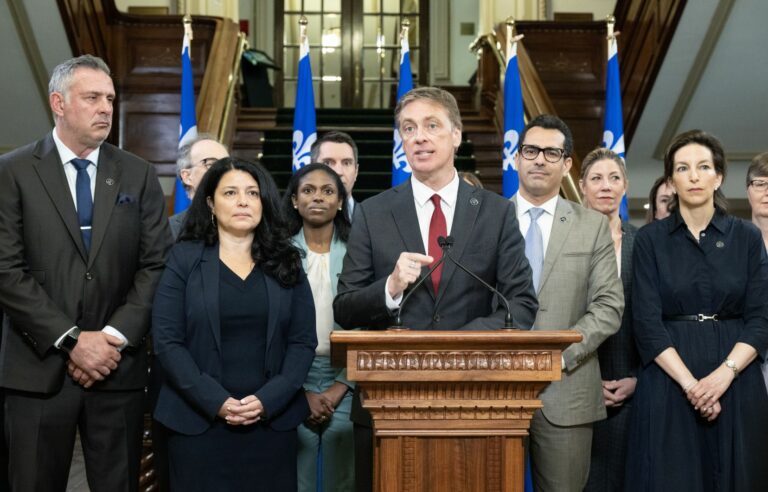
x: 84, y: 200
x: 534, y: 246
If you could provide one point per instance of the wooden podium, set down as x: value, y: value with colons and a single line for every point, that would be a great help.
x: 450, y: 408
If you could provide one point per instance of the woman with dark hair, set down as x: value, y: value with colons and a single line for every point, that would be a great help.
x: 700, y: 319
x: 603, y: 183
x: 315, y: 208
x: 234, y: 330
x: 658, y: 200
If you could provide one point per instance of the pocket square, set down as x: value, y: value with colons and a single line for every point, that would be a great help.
x: 125, y: 198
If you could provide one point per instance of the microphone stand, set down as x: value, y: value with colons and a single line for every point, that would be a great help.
x: 446, y: 244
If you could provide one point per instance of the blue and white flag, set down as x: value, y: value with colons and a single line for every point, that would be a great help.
x: 514, y: 123
x: 613, y: 129
x: 401, y: 170
x: 304, y: 122
x: 188, y: 120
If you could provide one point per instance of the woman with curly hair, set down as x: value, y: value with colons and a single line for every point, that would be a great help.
x: 234, y: 330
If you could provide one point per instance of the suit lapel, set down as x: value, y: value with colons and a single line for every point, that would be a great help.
x: 209, y: 267
x: 561, y: 227
x: 274, y: 296
x: 405, y: 219
x: 105, y: 195
x: 464, y: 217
x: 51, y: 172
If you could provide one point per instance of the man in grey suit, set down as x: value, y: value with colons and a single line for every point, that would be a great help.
x: 83, y: 236
x: 195, y: 158
x: 576, y: 278
x: 394, y: 240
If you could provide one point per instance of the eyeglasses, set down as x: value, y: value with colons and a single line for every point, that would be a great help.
x: 207, y: 162
x: 551, y: 154
x: 759, y: 184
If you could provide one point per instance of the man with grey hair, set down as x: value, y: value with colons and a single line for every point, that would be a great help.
x: 195, y: 158
x: 84, y: 238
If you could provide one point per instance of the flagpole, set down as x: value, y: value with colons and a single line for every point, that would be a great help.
x: 401, y: 170
x: 304, y: 116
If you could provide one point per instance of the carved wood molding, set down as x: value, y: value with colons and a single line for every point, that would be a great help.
x: 469, y: 360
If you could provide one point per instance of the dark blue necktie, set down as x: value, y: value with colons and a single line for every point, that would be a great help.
x: 84, y: 200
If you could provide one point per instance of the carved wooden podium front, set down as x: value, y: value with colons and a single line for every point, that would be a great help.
x: 450, y: 408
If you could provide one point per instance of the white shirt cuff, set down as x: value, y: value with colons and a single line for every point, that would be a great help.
x: 57, y: 343
x: 111, y: 330
x: 393, y: 303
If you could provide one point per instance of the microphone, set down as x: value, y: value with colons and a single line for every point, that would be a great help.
x: 398, y: 320
x: 445, y: 244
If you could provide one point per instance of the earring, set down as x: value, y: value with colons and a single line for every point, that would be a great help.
x: 213, y: 219
x: 296, y: 207
x: 716, y: 187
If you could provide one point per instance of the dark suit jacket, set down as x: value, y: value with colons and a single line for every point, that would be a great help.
x: 48, y: 283
x: 176, y: 222
x: 187, y: 339
x: 487, y: 242
x: 618, y: 354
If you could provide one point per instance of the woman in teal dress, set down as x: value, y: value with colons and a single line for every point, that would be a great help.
x: 315, y: 206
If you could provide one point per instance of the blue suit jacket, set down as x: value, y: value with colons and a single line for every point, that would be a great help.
x: 187, y: 341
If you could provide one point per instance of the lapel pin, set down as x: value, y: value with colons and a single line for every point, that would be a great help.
x: 110, y: 181
x: 474, y: 201
x: 720, y: 244
x: 563, y: 219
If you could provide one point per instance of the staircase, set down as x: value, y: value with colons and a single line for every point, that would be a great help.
x: 265, y: 135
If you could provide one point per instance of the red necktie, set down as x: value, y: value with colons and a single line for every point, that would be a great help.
x: 437, y: 228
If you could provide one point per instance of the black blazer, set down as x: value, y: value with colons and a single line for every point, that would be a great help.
x: 187, y: 340
x: 48, y: 283
x: 487, y: 241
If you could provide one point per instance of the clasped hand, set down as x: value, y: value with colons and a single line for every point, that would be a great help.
x: 705, y: 394
x: 94, y: 357
x: 246, y: 411
x: 322, y: 405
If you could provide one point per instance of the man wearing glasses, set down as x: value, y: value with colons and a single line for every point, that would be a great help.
x: 195, y: 158
x: 578, y: 287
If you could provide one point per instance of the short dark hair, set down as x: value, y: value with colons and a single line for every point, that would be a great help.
x: 758, y: 168
x: 650, y: 215
x: 335, y: 137
x: 272, y: 248
x: 704, y: 139
x: 551, y: 122
x: 294, y: 221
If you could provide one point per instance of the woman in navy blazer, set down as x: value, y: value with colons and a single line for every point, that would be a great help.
x: 234, y: 331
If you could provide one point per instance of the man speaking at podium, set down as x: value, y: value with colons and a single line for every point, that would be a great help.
x: 394, y: 242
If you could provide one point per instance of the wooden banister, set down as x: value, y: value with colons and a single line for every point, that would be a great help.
x: 564, y: 62
x: 535, y: 98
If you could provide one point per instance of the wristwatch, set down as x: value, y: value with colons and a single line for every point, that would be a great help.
x: 70, y: 340
x: 732, y: 366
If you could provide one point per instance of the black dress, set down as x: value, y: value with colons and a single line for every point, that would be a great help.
x: 254, y: 457
x: 618, y: 360
x: 671, y: 447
